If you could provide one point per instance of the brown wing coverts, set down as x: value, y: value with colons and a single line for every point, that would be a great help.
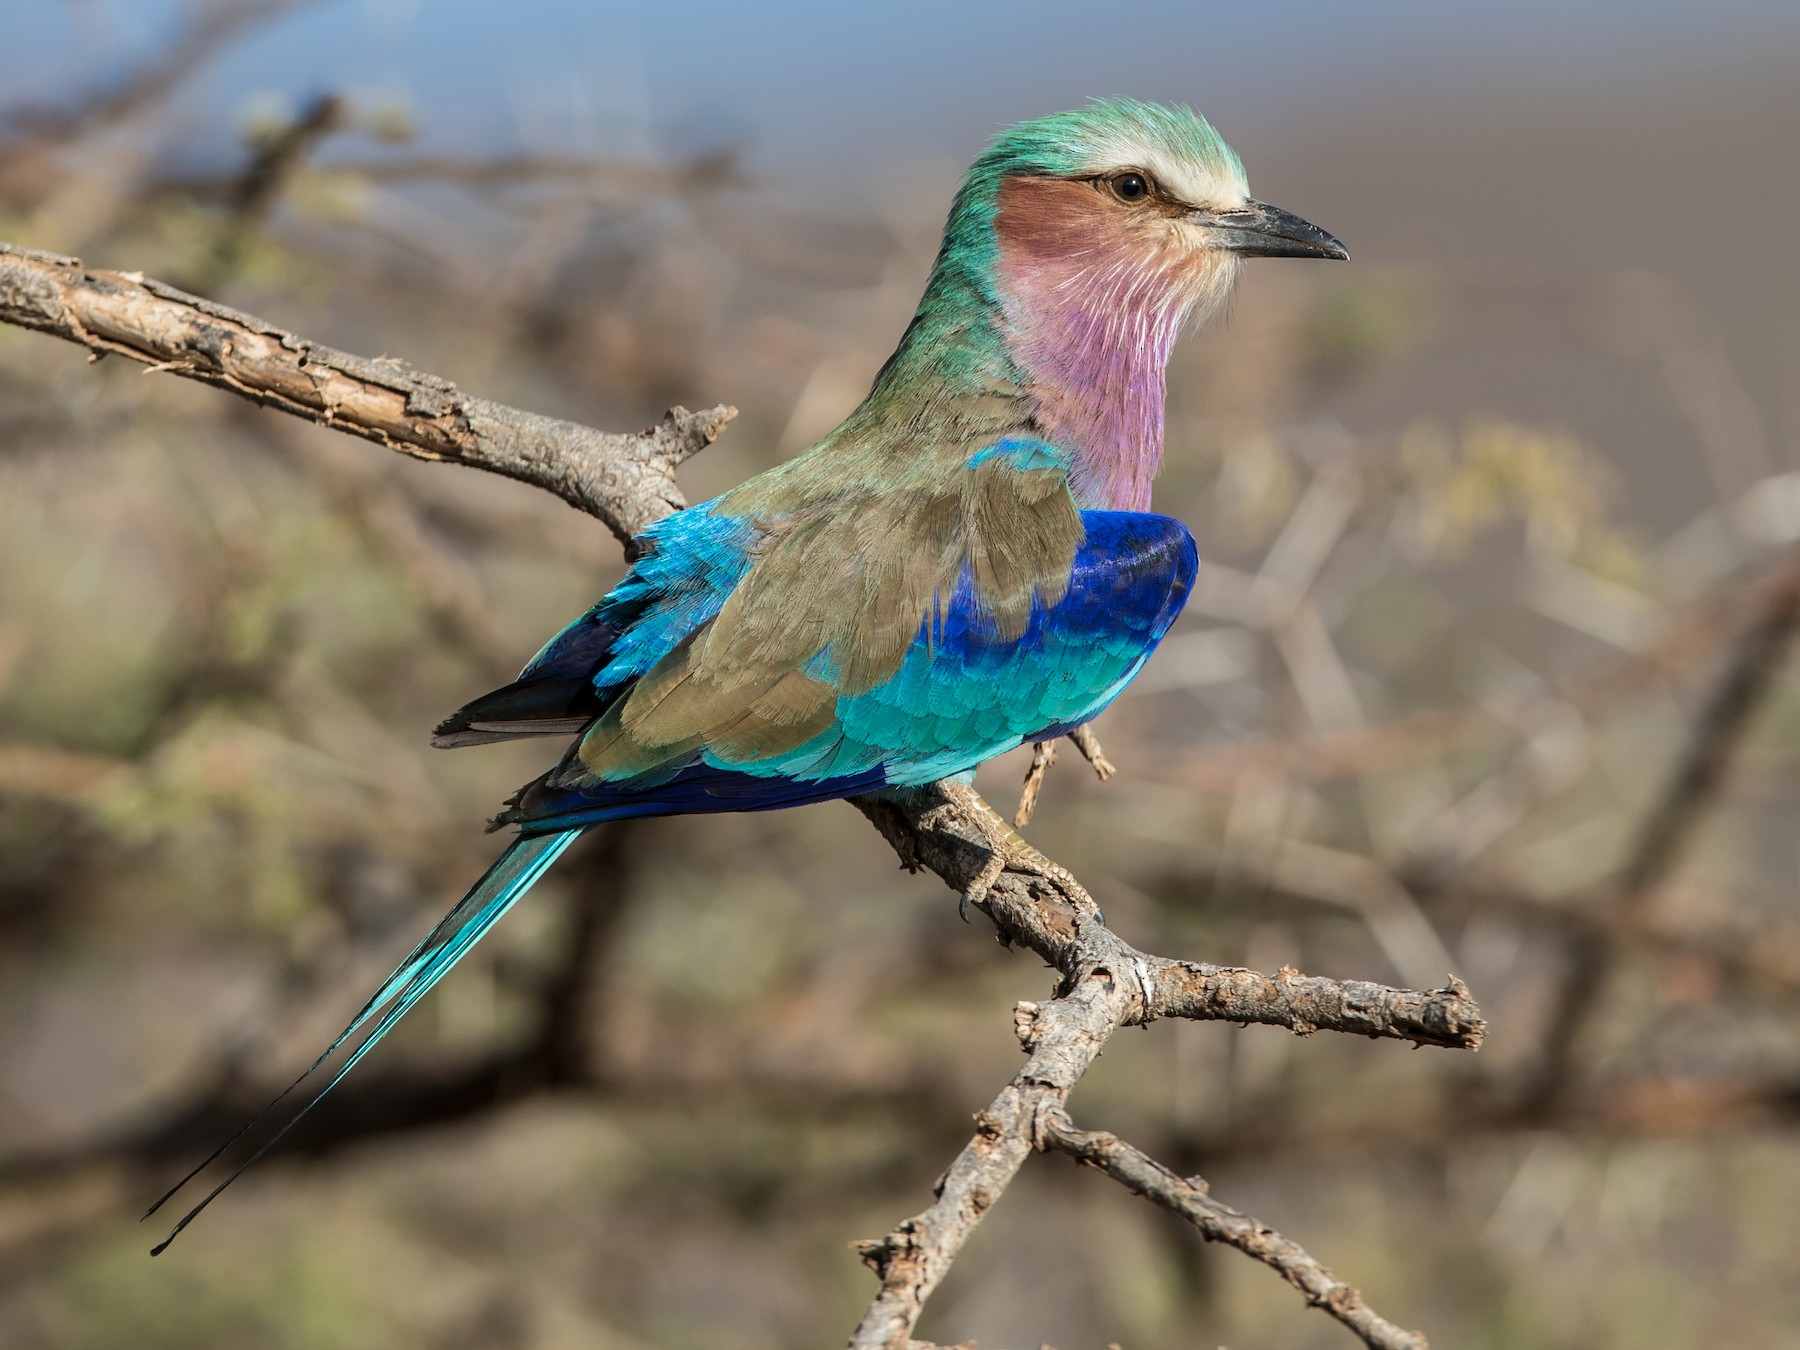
x: 853, y: 571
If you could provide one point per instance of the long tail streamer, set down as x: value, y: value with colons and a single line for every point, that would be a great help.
x: 513, y: 873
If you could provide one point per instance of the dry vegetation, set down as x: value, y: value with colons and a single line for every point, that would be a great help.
x: 1431, y: 710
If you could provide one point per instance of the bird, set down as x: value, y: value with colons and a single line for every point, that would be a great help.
x: 968, y: 563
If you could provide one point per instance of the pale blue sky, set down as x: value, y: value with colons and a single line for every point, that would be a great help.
x: 837, y: 87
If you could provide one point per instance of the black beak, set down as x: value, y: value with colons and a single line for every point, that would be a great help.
x: 1260, y: 231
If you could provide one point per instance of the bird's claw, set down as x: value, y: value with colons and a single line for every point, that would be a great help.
x: 977, y: 891
x: 1007, y: 851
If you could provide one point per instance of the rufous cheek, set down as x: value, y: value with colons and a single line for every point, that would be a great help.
x: 1045, y: 221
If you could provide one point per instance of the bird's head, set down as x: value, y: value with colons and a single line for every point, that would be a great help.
x: 1089, y: 239
x: 1121, y: 205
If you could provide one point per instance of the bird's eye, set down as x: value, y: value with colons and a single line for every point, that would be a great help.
x: 1130, y: 187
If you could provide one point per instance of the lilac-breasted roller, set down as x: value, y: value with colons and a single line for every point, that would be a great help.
x: 966, y: 564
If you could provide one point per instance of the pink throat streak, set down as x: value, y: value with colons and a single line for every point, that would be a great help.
x: 1093, y: 304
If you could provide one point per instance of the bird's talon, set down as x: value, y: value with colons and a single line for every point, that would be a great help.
x: 979, y: 889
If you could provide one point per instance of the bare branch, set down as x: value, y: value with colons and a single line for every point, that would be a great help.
x: 1062, y: 1039
x: 1031, y: 911
x: 628, y: 482
x: 1217, y: 1222
x: 1106, y: 984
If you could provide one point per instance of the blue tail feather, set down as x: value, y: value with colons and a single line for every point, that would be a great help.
x: 513, y: 873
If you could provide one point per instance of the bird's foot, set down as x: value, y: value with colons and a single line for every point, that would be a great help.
x: 1089, y: 745
x: 1007, y: 852
x: 1043, y: 755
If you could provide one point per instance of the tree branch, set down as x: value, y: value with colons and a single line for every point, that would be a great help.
x: 927, y: 830
x: 628, y: 482
x: 1189, y: 1198
x: 1106, y: 984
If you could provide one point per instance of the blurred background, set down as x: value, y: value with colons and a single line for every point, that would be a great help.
x: 1487, y: 672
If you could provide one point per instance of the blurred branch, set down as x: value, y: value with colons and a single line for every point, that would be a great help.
x: 1738, y: 692
x: 212, y: 27
x: 52, y: 772
x: 1746, y: 953
x: 558, y: 1054
x: 628, y: 482
x: 1435, y: 734
x: 391, y: 525
x: 1646, y: 1106
x: 718, y: 169
x: 254, y: 192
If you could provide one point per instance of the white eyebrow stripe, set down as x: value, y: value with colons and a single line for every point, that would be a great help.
x: 1198, y: 183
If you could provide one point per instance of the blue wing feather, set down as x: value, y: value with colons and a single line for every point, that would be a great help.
x: 694, y: 559
x: 963, y: 694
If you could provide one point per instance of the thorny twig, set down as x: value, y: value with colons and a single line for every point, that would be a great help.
x: 628, y: 482
x: 1189, y: 1198
x: 1106, y: 984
